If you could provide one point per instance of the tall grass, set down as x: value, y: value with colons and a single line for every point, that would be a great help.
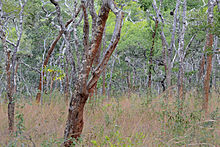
x: 137, y: 121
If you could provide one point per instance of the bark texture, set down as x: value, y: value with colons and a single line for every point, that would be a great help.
x: 85, y: 86
x: 181, y: 53
x: 11, y: 59
x: 209, y: 43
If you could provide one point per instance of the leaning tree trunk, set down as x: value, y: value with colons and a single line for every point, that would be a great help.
x: 209, y: 42
x: 84, y: 85
x: 50, y: 51
x: 74, y: 124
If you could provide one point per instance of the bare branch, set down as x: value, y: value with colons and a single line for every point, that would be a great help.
x: 94, y: 16
x: 59, y: 17
x: 32, y: 68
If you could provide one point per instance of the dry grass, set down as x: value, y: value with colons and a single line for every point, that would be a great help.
x: 138, y: 121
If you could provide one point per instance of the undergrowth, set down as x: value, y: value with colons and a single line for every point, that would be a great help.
x: 118, y: 122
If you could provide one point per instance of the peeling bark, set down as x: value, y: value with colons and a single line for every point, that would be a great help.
x: 181, y: 54
x: 209, y: 43
x: 83, y: 86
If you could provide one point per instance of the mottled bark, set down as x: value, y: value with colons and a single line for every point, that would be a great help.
x: 215, y: 64
x: 170, y: 49
x: 181, y: 54
x: 104, y: 71
x: 11, y: 60
x: 163, y: 38
x: 74, y: 124
x: 114, y: 41
x: 15, y: 75
x: 11, y: 104
x: 209, y: 43
x: 84, y: 86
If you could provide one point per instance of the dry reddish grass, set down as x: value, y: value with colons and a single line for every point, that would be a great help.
x: 131, y: 122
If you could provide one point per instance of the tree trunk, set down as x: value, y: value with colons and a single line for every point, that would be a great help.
x: 129, y: 83
x: 50, y: 51
x: 181, y: 54
x: 74, y: 124
x: 202, y: 64
x: 110, y: 79
x: 170, y: 50
x: 66, y: 87
x: 215, y: 67
x: 209, y: 43
x: 104, y: 71
x: 15, y: 76
x: 84, y: 85
x: 11, y: 104
x: 164, y: 62
x: 151, y: 54
x: 103, y: 82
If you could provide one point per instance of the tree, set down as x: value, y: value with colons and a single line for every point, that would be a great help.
x: 11, y: 59
x: 208, y: 50
x: 181, y: 53
x: 84, y: 85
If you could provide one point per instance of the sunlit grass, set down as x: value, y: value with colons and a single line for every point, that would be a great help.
x: 120, y: 121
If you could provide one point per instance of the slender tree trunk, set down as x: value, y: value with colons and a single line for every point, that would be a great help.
x: 50, y: 51
x: 7, y: 51
x: 181, y: 54
x: 202, y: 64
x: 209, y: 43
x: 15, y: 76
x: 151, y: 54
x: 103, y: 82
x: 51, y: 82
x: 11, y: 104
x: 104, y: 71
x: 66, y: 90
x: 215, y: 71
x: 110, y: 79
x: 170, y: 50
x: 129, y: 83
x: 134, y: 79
x: 164, y: 61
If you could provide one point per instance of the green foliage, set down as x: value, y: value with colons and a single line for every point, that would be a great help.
x: 19, y: 117
x: 56, y: 71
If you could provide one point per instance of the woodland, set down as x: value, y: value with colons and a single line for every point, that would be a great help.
x: 117, y: 73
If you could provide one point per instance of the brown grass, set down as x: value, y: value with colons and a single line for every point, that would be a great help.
x: 119, y: 122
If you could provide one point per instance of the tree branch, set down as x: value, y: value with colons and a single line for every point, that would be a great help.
x: 114, y: 41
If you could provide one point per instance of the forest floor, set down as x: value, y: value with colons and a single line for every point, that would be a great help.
x: 122, y: 121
